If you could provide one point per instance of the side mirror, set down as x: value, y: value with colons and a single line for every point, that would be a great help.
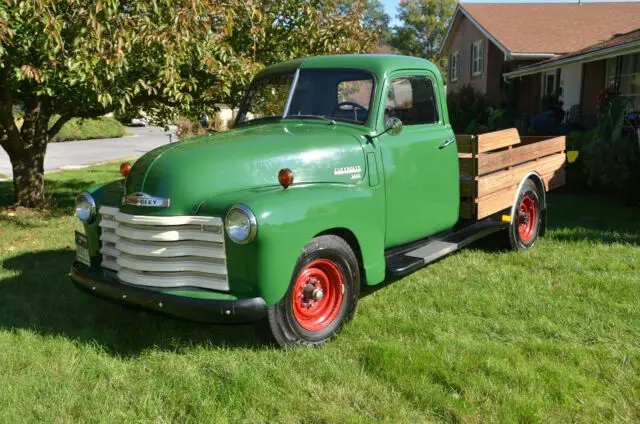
x: 393, y: 126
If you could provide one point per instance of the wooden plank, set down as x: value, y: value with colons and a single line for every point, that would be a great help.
x: 489, y: 162
x: 488, y: 205
x: 497, y: 140
x: 490, y: 183
x: 465, y: 143
x: 555, y: 179
x: 468, y: 188
x: 528, y: 139
x: 467, y: 209
x: 467, y: 165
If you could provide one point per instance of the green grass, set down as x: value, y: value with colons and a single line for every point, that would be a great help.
x: 547, y: 335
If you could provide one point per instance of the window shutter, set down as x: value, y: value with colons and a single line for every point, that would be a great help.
x: 471, y: 61
x: 482, y: 44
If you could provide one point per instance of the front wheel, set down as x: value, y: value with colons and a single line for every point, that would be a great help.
x: 525, y: 225
x: 322, y: 294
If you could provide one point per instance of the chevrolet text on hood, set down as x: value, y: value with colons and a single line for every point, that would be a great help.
x: 340, y: 172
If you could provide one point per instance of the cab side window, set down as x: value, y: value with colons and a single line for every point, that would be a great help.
x: 412, y: 100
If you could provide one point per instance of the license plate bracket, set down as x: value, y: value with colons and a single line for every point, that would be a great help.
x: 82, y: 249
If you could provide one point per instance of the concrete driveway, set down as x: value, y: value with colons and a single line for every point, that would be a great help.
x: 72, y: 154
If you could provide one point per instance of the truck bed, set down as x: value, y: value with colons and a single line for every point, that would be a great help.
x: 492, y: 166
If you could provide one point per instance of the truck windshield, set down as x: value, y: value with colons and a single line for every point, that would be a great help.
x: 328, y: 94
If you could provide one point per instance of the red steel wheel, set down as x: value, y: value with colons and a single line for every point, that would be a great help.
x: 527, y: 216
x: 317, y: 295
x: 321, y: 297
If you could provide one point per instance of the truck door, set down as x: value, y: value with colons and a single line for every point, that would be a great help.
x: 420, y: 167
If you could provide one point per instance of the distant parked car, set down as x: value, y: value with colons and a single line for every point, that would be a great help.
x: 140, y: 122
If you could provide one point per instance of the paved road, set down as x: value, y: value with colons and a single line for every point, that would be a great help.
x: 72, y: 154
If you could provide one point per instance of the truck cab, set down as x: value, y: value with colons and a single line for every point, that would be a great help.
x: 340, y: 172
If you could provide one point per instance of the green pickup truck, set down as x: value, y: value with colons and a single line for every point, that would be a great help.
x: 340, y: 172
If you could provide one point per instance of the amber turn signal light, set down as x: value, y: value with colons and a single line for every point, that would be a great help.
x: 285, y: 176
x: 125, y: 168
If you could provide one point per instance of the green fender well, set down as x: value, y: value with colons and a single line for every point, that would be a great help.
x: 288, y: 220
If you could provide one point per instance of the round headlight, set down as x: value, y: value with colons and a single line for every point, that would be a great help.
x: 241, y: 224
x: 85, y: 208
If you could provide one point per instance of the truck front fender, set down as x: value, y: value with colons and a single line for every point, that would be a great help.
x: 289, y: 219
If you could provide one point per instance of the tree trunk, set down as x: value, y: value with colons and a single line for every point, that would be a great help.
x: 26, y: 149
x: 28, y: 175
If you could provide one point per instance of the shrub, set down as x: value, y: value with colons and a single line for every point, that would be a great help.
x: 189, y: 128
x: 467, y: 109
x: 84, y: 129
x: 611, y: 161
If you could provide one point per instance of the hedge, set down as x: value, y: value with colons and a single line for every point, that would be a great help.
x: 82, y: 129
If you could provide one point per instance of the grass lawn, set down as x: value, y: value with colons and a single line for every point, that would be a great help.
x: 548, y: 335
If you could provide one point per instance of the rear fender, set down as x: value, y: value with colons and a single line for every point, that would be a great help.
x: 542, y: 189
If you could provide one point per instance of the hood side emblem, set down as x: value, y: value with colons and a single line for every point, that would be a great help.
x: 347, y: 170
x: 143, y: 199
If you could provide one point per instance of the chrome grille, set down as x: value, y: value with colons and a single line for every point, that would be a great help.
x: 172, y: 251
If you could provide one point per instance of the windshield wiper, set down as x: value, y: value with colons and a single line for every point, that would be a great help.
x: 331, y: 121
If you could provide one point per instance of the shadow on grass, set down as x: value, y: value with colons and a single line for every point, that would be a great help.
x: 580, y: 217
x: 58, y: 194
x: 40, y: 297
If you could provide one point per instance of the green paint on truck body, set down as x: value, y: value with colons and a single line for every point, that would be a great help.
x: 407, y: 189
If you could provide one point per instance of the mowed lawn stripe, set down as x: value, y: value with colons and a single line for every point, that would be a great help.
x: 484, y: 335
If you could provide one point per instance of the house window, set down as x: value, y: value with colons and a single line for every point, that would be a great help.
x: 477, y: 57
x: 623, y: 78
x: 551, y: 83
x: 412, y: 100
x: 454, y: 66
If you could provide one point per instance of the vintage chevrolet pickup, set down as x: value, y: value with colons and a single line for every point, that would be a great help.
x: 340, y: 172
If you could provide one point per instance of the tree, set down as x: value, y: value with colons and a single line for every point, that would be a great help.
x: 375, y: 18
x: 425, y: 24
x: 61, y: 59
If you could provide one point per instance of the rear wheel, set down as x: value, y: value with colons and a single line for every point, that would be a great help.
x: 525, y: 225
x: 322, y: 294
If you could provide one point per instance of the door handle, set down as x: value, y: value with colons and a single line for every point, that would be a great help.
x: 447, y: 142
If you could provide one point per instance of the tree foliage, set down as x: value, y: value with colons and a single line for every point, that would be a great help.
x: 83, y: 58
x: 375, y: 18
x: 424, y: 27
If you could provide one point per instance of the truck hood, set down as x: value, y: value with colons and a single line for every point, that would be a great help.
x: 195, y: 170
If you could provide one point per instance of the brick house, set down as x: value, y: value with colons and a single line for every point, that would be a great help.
x: 521, y: 52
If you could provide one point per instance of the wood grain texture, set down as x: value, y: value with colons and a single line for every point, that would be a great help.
x: 489, y: 162
x: 495, y: 202
x: 467, y: 165
x: 490, y: 183
x: 466, y: 143
x: 555, y: 179
x: 497, y: 140
x: 467, y: 209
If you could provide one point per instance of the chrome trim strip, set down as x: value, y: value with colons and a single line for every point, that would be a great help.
x: 160, y: 220
x: 172, y: 279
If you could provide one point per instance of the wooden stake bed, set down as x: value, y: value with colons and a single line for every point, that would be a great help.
x: 492, y: 166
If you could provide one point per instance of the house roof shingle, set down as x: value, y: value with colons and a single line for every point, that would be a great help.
x: 629, y: 41
x: 554, y: 27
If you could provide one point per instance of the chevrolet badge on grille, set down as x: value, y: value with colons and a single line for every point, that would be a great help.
x: 143, y: 199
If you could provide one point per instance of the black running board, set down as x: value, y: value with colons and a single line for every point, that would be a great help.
x: 407, y: 261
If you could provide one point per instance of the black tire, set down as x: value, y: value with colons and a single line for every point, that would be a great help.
x: 528, y: 200
x: 282, y: 325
